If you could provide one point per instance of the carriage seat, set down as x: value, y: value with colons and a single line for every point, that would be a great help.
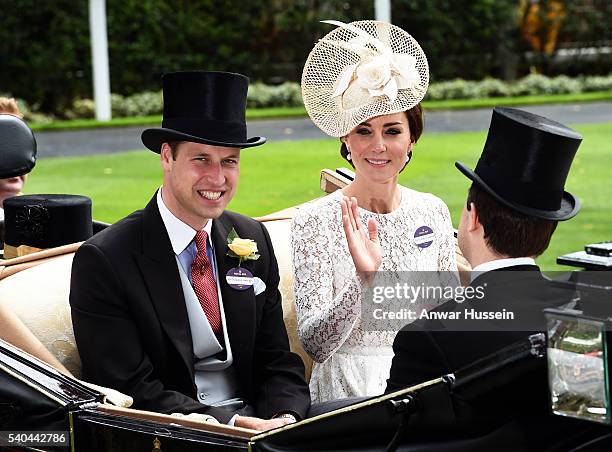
x: 36, y: 289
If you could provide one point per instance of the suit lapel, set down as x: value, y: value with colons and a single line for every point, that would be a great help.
x: 160, y: 273
x: 239, y: 305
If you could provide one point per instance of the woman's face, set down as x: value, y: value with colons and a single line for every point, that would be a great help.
x: 379, y: 146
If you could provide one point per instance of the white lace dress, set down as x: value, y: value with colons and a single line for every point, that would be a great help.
x: 350, y: 361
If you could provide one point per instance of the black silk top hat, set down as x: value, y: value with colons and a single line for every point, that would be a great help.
x: 17, y: 147
x: 203, y: 107
x: 525, y: 163
x: 35, y: 222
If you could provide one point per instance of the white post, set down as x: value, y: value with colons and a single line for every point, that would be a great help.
x: 99, y: 57
x: 382, y: 10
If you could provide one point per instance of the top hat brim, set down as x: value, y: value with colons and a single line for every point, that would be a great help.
x: 570, y: 205
x: 155, y: 137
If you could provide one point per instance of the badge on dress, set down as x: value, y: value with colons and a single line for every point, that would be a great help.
x: 423, y: 237
x: 239, y: 278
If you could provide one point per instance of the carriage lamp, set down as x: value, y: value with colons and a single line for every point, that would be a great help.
x: 579, y: 361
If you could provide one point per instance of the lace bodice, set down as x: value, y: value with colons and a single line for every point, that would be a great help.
x: 327, y: 289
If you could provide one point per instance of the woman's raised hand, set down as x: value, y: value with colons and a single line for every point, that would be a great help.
x: 363, y: 246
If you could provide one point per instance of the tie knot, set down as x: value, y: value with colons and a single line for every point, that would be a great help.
x: 200, y: 240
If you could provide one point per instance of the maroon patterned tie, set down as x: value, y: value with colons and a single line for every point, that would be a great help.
x: 204, y: 283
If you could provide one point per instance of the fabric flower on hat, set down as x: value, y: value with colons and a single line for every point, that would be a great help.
x: 374, y: 75
x: 362, y: 70
x: 380, y: 71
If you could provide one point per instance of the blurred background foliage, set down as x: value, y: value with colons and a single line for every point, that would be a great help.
x: 45, y: 50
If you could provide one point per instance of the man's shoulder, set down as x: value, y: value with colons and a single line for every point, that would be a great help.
x: 246, y: 227
x: 237, y: 218
x: 242, y: 224
x: 119, y: 234
x: 112, y: 245
x: 430, y: 320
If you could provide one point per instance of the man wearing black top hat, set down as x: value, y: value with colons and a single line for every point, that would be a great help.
x: 514, y: 203
x: 178, y: 305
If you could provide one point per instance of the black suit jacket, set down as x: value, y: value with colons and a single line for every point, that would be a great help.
x: 425, y: 350
x: 132, y: 330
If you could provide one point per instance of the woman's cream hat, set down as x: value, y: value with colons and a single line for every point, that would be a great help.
x: 361, y: 70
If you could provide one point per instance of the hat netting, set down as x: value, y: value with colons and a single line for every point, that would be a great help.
x: 339, y: 115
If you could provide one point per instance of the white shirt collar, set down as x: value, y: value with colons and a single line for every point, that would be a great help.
x: 500, y: 263
x: 180, y: 233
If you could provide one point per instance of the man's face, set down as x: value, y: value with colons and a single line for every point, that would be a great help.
x: 200, y: 183
x: 11, y: 187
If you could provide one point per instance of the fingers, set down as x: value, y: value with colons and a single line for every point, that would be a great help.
x: 355, y: 213
x: 349, y: 232
x: 248, y: 422
x: 350, y: 202
x: 351, y: 219
x: 346, y: 221
x: 346, y: 205
x: 255, y: 423
x: 348, y: 226
x: 285, y: 421
x: 373, y: 230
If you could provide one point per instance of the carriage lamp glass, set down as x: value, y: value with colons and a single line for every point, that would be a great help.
x: 578, y: 365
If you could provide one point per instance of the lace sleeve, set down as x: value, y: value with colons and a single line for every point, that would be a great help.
x: 326, y: 315
x: 447, y: 259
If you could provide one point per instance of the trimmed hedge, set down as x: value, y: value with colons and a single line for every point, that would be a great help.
x: 531, y: 85
x: 289, y: 95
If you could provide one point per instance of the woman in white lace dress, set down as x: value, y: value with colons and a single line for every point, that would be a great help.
x: 333, y: 255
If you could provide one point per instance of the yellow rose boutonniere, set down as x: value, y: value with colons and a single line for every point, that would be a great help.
x: 242, y: 249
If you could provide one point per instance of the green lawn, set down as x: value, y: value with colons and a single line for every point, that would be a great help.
x: 282, y: 174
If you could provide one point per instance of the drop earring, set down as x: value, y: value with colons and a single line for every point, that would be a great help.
x: 348, y: 154
x: 408, y: 157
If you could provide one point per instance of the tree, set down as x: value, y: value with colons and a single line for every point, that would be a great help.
x: 44, y: 51
x: 462, y: 38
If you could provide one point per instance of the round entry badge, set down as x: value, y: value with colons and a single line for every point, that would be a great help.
x: 239, y: 278
x: 423, y: 237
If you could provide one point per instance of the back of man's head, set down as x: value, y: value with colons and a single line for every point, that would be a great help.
x: 508, y: 232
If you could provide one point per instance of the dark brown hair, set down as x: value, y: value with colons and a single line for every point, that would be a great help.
x: 508, y: 232
x: 174, y: 148
x: 415, y: 125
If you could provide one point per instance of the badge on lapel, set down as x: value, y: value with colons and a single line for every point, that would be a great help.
x: 242, y: 249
